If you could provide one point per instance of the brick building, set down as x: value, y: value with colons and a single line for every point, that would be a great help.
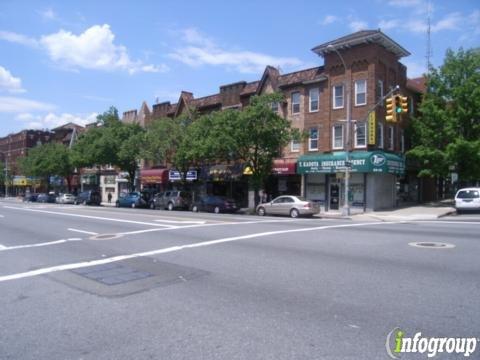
x: 316, y: 101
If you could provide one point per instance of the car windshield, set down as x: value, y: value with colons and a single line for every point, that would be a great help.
x: 468, y: 194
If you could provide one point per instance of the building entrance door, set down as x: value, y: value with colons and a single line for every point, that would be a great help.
x: 334, y: 196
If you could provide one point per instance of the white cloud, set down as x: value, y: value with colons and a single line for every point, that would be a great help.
x: 9, y: 83
x: 358, y: 25
x: 405, y: 3
x: 389, y: 24
x: 450, y: 22
x: 52, y: 120
x: 201, y: 50
x: 48, y: 14
x: 18, y: 39
x: 19, y: 105
x: 329, y: 19
x: 93, y: 49
x: 414, y: 68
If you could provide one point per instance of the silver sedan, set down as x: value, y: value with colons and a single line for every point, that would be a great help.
x: 290, y: 205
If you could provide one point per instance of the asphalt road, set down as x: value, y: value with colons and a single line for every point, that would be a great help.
x: 81, y: 282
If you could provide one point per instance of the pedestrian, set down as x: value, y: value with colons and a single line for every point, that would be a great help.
x: 109, y: 196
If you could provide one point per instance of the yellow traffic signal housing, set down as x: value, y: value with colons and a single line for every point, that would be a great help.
x: 404, y: 103
x: 398, y: 104
x: 391, y: 116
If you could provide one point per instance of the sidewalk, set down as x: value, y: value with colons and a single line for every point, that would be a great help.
x: 430, y: 211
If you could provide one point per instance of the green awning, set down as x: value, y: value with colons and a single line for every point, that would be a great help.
x: 360, y: 161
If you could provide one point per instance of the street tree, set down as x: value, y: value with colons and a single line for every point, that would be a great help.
x: 446, y: 134
x: 48, y: 160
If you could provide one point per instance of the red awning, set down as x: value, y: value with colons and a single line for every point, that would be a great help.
x: 284, y: 167
x: 153, y: 176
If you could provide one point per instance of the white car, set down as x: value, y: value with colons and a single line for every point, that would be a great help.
x: 467, y: 199
x: 65, y: 199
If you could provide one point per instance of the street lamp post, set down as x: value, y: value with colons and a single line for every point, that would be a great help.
x: 346, y: 206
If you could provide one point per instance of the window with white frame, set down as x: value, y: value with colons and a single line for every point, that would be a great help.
x: 295, y: 146
x: 338, y: 96
x: 337, y: 137
x: 360, y: 135
x: 391, y: 139
x: 295, y: 103
x: 275, y: 106
x: 360, y: 92
x: 313, y: 140
x: 314, y: 96
x: 380, y: 135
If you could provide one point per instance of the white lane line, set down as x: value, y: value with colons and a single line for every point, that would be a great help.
x: 64, y: 267
x: 181, y: 221
x: 26, y: 246
x: 83, y: 231
x: 91, y: 217
x: 2, y: 247
x: 459, y: 222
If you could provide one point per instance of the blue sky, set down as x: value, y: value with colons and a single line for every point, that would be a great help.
x: 70, y: 60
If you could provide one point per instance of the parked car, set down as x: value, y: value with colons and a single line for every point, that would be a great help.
x: 171, y: 200
x: 30, y: 198
x: 90, y: 197
x: 290, y: 205
x: 46, y: 198
x: 133, y: 200
x: 216, y: 204
x: 65, y: 199
x: 467, y: 199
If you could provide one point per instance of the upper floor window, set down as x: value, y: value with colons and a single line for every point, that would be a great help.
x: 402, y: 142
x: 295, y: 146
x: 275, y: 106
x: 380, y: 135
x: 337, y: 137
x: 295, y: 103
x: 380, y: 91
x: 391, y: 139
x: 314, y: 99
x: 313, y: 140
x: 360, y: 135
x: 360, y: 92
x: 338, y: 96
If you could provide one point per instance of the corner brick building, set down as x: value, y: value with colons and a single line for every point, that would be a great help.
x: 315, y: 101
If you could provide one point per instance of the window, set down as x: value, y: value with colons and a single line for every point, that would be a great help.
x: 338, y: 96
x: 380, y: 91
x: 390, y: 138
x: 402, y: 142
x: 313, y: 140
x: 380, y: 135
x: 295, y: 103
x: 295, y: 146
x: 337, y: 137
x: 275, y: 106
x: 360, y: 135
x: 314, y: 99
x: 360, y: 92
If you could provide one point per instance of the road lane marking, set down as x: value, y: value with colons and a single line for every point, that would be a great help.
x: 459, y: 222
x: 2, y: 247
x: 181, y: 221
x: 26, y: 246
x: 103, y: 261
x: 83, y: 231
x: 91, y: 217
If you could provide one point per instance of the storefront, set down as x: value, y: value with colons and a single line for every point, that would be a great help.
x: 226, y: 180
x: 372, y: 181
x: 154, y: 180
x: 284, y: 179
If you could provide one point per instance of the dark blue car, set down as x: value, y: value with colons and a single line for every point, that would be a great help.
x: 133, y: 200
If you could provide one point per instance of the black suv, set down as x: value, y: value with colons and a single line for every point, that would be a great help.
x: 90, y: 197
x: 172, y: 199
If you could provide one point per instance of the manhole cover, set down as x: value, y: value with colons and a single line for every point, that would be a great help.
x: 112, y: 274
x: 432, y: 245
x: 105, y: 237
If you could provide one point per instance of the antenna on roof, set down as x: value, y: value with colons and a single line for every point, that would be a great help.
x: 156, y: 100
x: 428, y: 54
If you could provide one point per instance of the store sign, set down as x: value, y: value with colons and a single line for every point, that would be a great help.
x: 283, y: 168
x: 174, y: 175
x: 191, y: 175
x: 361, y: 162
x: 372, y: 128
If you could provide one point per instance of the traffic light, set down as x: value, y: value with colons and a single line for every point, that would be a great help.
x: 398, y: 104
x: 404, y: 103
x: 391, y: 115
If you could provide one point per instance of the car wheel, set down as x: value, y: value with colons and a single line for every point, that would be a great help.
x: 216, y: 209
x: 294, y: 213
x: 117, y: 204
x: 170, y: 206
x: 195, y: 208
x: 152, y: 206
x: 261, y: 211
x: 84, y: 202
x: 75, y: 202
x: 133, y: 206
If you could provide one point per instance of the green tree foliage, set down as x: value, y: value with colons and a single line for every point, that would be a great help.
x: 111, y: 142
x: 47, y: 160
x: 254, y: 136
x: 447, y: 132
